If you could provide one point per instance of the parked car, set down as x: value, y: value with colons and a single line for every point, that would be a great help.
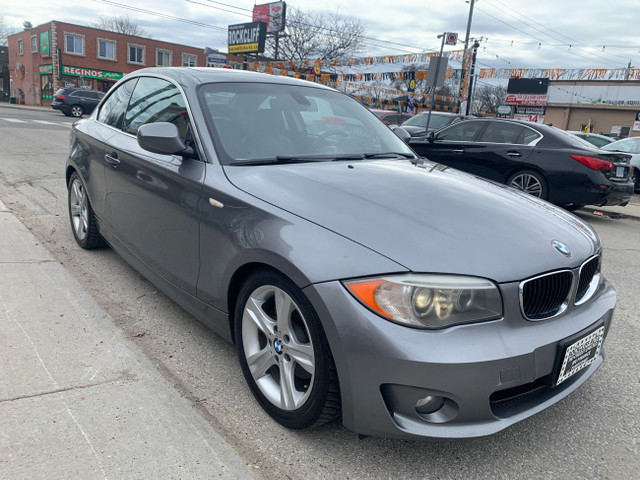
x: 632, y: 147
x: 75, y: 102
x: 594, y: 139
x: 540, y: 160
x: 416, y: 125
x: 355, y: 279
x: 391, y: 117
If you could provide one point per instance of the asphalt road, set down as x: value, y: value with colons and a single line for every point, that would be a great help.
x: 594, y: 433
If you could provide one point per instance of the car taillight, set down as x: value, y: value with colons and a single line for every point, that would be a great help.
x: 60, y: 97
x: 594, y: 163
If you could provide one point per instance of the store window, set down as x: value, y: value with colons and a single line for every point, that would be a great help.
x: 136, y: 54
x: 20, y: 47
x: 34, y: 44
x: 163, y: 58
x: 189, y: 60
x: 74, y: 44
x: 106, y: 49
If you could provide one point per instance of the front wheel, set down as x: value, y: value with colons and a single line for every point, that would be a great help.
x: 76, y: 111
x: 529, y: 182
x: 284, y: 353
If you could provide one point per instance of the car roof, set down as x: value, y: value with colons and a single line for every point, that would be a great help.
x: 193, y: 76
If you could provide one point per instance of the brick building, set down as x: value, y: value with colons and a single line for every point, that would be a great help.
x: 57, y: 54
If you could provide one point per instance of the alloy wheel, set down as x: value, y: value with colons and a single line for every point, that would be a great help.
x: 78, y: 207
x: 528, y: 183
x: 278, y: 348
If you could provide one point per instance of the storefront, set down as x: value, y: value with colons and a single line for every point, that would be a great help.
x: 90, y: 78
x: 46, y: 82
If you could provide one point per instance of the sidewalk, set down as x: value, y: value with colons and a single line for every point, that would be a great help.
x: 77, y: 399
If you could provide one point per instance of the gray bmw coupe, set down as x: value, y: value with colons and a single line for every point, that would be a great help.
x: 356, y: 280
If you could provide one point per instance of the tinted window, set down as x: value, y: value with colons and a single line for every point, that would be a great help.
x: 438, y: 120
x: 156, y: 100
x: 461, y: 132
x: 501, y: 132
x: 113, y: 109
x: 529, y: 136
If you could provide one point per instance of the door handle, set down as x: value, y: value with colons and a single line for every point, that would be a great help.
x: 514, y: 154
x: 458, y: 151
x: 112, y: 160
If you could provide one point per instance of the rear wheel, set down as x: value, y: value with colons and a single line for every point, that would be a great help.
x: 529, y: 182
x: 284, y: 353
x: 83, y: 222
x: 635, y: 176
x: 76, y: 111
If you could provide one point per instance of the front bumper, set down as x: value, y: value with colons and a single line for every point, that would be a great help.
x: 384, y: 368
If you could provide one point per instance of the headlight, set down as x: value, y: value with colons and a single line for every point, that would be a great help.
x: 429, y: 301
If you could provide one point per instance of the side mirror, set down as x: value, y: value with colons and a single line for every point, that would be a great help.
x: 431, y: 136
x: 161, y: 137
x: 402, y: 133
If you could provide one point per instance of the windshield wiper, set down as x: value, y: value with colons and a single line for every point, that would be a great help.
x: 279, y: 160
x: 388, y: 154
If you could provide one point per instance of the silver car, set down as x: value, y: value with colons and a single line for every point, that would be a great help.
x: 356, y: 280
x: 631, y: 146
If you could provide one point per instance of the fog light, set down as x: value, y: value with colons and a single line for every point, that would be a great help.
x: 429, y: 404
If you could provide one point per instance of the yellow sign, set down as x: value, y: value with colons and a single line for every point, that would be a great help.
x: 317, y: 68
x: 247, y: 47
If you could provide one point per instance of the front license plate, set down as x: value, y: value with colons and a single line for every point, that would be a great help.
x: 620, y: 172
x: 580, y: 354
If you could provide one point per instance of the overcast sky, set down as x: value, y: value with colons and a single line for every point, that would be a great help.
x: 516, y: 33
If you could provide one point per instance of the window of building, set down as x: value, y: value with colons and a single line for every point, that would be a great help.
x: 189, y: 60
x: 106, y: 49
x: 136, y: 54
x: 20, y: 47
x: 163, y: 58
x: 74, y: 43
x: 34, y: 44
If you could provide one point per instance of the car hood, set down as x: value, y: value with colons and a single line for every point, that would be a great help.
x: 428, y: 218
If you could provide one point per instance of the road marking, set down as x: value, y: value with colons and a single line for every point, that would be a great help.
x: 45, y: 122
x: 14, y: 120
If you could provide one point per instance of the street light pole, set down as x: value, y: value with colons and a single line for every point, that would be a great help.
x: 466, y: 49
x: 471, y: 72
x: 435, y: 83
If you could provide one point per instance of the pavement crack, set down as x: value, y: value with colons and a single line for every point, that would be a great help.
x: 124, y: 377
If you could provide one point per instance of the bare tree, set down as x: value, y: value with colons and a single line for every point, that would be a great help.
x: 5, y: 31
x: 312, y: 35
x: 121, y: 24
x: 487, y: 98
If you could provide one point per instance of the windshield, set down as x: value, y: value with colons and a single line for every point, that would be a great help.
x: 628, y: 145
x: 437, y: 122
x: 262, y: 121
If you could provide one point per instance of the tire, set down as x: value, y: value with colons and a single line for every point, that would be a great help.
x: 81, y: 216
x: 635, y: 176
x: 529, y: 182
x: 278, y: 335
x: 76, y: 111
x: 572, y: 207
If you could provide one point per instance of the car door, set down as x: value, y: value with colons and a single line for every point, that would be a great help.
x: 449, y: 144
x: 154, y: 199
x: 498, y: 152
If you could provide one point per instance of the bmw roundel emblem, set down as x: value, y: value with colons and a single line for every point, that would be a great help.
x: 278, y: 346
x: 562, y: 248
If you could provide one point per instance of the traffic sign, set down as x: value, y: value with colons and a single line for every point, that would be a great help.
x: 451, y: 38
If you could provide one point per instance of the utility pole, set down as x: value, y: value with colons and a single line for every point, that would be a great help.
x: 435, y: 84
x: 476, y: 44
x: 466, y: 48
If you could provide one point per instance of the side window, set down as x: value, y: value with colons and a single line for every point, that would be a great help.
x: 460, y: 132
x: 501, y: 132
x: 113, y: 109
x: 528, y: 136
x: 156, y: 100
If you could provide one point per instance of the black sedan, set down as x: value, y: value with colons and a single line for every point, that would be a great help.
x: 540, y: 160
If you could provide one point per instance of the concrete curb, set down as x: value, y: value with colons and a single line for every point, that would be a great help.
x: 77, y: 399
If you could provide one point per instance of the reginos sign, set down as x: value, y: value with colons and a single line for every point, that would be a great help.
x: 247, y: 37
x: 90, y: 73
